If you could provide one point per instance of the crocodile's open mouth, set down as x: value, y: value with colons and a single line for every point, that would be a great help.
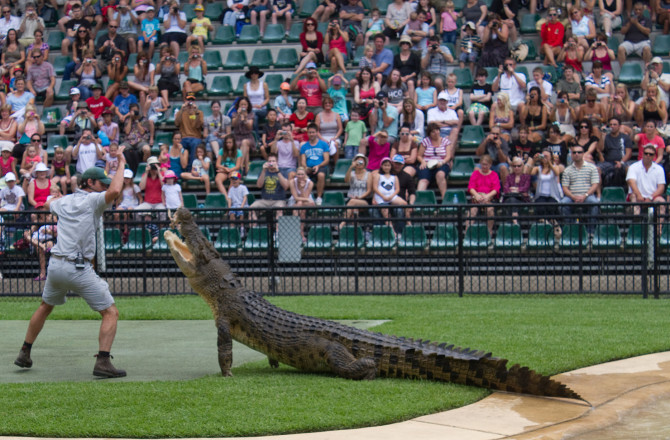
x: 180, y: 252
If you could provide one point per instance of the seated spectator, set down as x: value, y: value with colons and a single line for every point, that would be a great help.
x: 395, y: 89
x: 359, y: 180
x: 599, y: 51
x: 228, y: 162
x: 411, y: 115
x: 41, y: 78
x: 19, y: 99
x: 454, y: 100
x: 516, y: 188
x: 273, y: 186
x: 81, y: 120
x: 7, y: 161
x: 30, y: 23
x: 587, y: 139
x: 337, y: 40
x: 475, y: 11
x: 117, y: 70
x: 354, y: 132
x: 544, y: 87
x: 8, y: 129
x: 69, y: 26
x: 583, y: 28
x: 502, y: 116
x: 110, y: 46
x: 337, y: 90
x: 580, y: 183
x: 593, y: 110
x: 384, y: 117
x: 408, y: 149
x: 610, y: 15
x: 190, y: 121
x: 623, y: 108
x: 175, y: 28
x: 417, y: 30
x: 200, y: 27
x: 284, y: 102
x: 242, y: 128
x: 97, y: 103
x: 150, y: 28
x: 435, y: 157
x: 484, y: 189
x: 300, y: 119
x: 287, y: 150
x: 559, y: 148
x: 237, y: 198
x: 315, y: 156
x: 11, y: 196
x: 548, y: 190
x: 154, y: 107
x: 195, y: 70
x: 139, y: 134
x: 534, y: 115
x: 168, y: 68
x: 39, y: 188
x: 480, y: 99
x: 449, y: 18
x: 12, y: 54
x: 38, y: 43
x: 258, y: 93
x: 377, y: 147
x: 42, y: 239
x: 444, y: 117
x: 31, y: 124
x: 425, y: 95
x: 405, y: 181
x: 408, y: 64
x: 654, y: 74
x: 648, y: 136
x: 494, y: 39
x: 365, y: 91
x: 199, y: 168
x: 471, y: 46
x: 86, y: 152
x: 572, y: 55
x: 435, y: 58
x: 524, y: 148
x: 31, y: 159
x: 151, y: 183
x: 617, y: 150
x: 217, y: 126
x: 497, y: 148
x: 311, y: 41
x: 269, y: 132
x: 386, y: 189
x: 511, y: 82
x: 551, y: 35
x: 636, y: 30
x: 283, y: 8
x: 367, y: 60
x: 325, y: 10
x: 397, y: 17
x: 352, y: 14
x: 330, y: 128
x: 570, y: 85
x: 646, y: 182
x: 310, y: 86
x: 88, y: 73
x: 112, y: 159
x: 301, y: 196
x: 652, y: 108
x: 123, y: 101
x: 600, y: 83
x: 128, y: 21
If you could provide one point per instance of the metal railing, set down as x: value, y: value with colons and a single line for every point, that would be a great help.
x: 420, y: 249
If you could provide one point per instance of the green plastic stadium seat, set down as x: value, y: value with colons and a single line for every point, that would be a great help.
x: 492, y: 73
x: 213, y: 11
x: 508, y: 237
x: 287, y: 58
x: 206, y: 110
x: 574, y: 237
x: 188, y: 9
x: 453, y: 197
x: 528, y: 23
x: 319, y: 238
x: 613, y: 195
x: 221, y: 86
x: 190, y: 201
x: 216, y: 202
x: 228, y: 240
x: 477, y: 237
x: 262, y: 58
x: 358, y: 54
x: 163, y: 137
x: 161, y: 244
x: 213, y: 59
x: 255, y: 169
x: 541, y: 237
x: 606, y: 237
x: 351, y: 239
x: 413, y: 238
x: 424, y: 198
x: 459, y: 4
x: 236, y: 60
x: 471, y: 136
x: 274, y: 82
x: 55, y: 40
x: 532, y: 50
x: 257, y: 240
x: 613, y: 43
x: 59, y: 64
x: 55, y: 140
x: 241, y: 81
x: 171, y: 114
x: 139, y: 240
x: 224, y: 35
x: 63, y: 93
x: 383, y: 5
x: 250, y: 34
x: 631, y: 73
x: 661, y: 46
x: 322, y: 27
x: 463, y: 78
x: 294, y: 32
x: 132, y: 60
x: 274, y: 33
x: 141, y: 168
x: 524, y: 70
x: 383, y: 238
x: 445, y: 238
x: 551, y: 70
x: 664, y: 240
x: 308, y: 8
x: 332, y: 199
x: 112, y: 240
x: 55, y: 117
x: 463, y: 168
x: 340, y: 170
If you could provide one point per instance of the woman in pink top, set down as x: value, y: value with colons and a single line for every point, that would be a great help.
x: 650, y: 136
x: 484, y: 188
x: 336, y: 39
x: 434, y: 158
x: 600, y: 52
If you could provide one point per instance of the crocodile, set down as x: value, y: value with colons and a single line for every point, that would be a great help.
x: 320, y: 346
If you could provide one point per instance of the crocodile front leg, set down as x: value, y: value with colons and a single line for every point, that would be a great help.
x: 224, y: 345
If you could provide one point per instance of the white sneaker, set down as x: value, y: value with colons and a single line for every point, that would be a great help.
x: 319, y: 201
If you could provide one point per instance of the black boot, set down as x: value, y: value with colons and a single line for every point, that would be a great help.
x: 104, y: 368
x: 24, y: 360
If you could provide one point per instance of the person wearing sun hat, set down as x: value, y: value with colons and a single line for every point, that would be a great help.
x: 654, y: 75
x: 123, y: 100
x: 258, y: 93
x: 200, y: 28
x: 70, y: 267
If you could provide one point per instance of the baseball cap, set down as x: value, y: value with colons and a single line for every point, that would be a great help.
x: 82, y: 104
x: 96, y: 86
x: 285, y: 86
x: 123, y: 85
x: 10, y: 177
x: 361, y: 156
x: 7, y: 148
x: 75, y: 91
x: 398, y: 158
x: 310, y: 65
x: 107, y: 111
x: 190, y: 96
x: 94, y: 173
x: 169, y: 174
x: 656, y: 60
x: 128, y: 173
x: 151, y: 8
x: 236, y: 175
x: 470, y: 25
x: 382, y: 95
x: 337, y: 80
x: 153, y: 160
x: 199, y: 8
x: 385, y: 159
x: 443, y: 95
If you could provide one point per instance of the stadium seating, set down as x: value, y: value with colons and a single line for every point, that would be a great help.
x: 190, y: 201
x: 112, y: 240
x: 606, y: 237
x: 340, y: 170
x: 55, y: 39
x: 294, y: 32
x: 631, y: 73
x: 612, y: 195
x: 463, y: 168
x: 508, y: 237
x: 332, y: 199
x: 471, y: 137
x: 274, y: 81
x: 308, y: 8
x: 445, y: 238
x: 319, y: 239
x: 574, y: 237
x: 161, y: 245
x: 139, y: 240
x: 254, y: 172
x: 528, y: 23
x: 51, y: 116
x: 213, y: 11
x: 424, y: 198
x: 250, y: 34
x: 224, y: 35
x: 262, y: 58
x: 382, y: 239
x: 228, y: 240
x: 257, y: 240
x: 453, y: 197
x: 350, y: 239
x: 463, y: 78
x: 237, y: 59
x: 221, y: 86
x: 274, y: 33
x: 540, y: 237
x: 212, y: 59
x: 287, y: 58
x: 477, y: 237
x: 413, y: 238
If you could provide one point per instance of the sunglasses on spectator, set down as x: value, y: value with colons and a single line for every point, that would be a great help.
x: 36, y: 140
x: 577, y: 152
x: 517, y: 166
x: 112, y: 27
x: 6, y: 12
x: 509, y: 65
x: 552, y: 15
x: 583, y: 126
x: 650, y: 154
x: 36, y: 56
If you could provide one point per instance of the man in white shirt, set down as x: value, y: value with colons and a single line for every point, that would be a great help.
x: 8, y: 21
x: 86, y: 152
x: 646, y: 181
x: 445, y: 117
x: 654, y: 75
x: 511, y: 82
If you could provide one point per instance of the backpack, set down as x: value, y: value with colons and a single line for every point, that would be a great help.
x: 519, y: 51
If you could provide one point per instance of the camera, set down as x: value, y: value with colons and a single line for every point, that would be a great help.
x: 175, y: 10
x: 360, y: 162
x: 89, y: 61
x: 136, y: 113
x: 434, y: 46
x: 143, y: 62
x: 117, y: 59
x: 195, y: 55
x: 154, y: 167
x: 562, y: 101
x: 88, y: 137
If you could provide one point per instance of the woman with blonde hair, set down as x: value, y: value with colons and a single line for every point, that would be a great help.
x: 414, y: 117
x: 301, y: 195
x: 31, y: 123
x: 652, y: 108
x: 502, y: 115
x: 623, y: 108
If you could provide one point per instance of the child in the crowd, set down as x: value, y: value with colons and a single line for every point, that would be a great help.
x: 338, y: 86
x: 386, y: 187
x: 200, y: 27
x: 353, y: 134
x: 284, y: 103
x: 171, y: 192
x: 70, y: 110
x: 11, y: 196
x: 7, y: 161
x: 449, y: 27
x: 199, y: 171
x: 60, y: 171
x: 287, y: 150
x: 28, y: 165
x: 112, y: 159
x: 480, y: 98
x: 430, y: 15
x: 154, y: 107
x: 366, y: 60
x: 471, y: 45
x: 150, y: 27
x: 43, y: 239
x: 129, y: 199
x: 375, y: 25
x: 269, y: 132
x: 237, y: 198
x: 455, y: 101
x: 164, y: 158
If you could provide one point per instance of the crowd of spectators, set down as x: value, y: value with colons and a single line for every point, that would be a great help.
x: 398, y: 115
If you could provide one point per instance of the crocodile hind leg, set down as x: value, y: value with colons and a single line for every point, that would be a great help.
x: 224, y: 345
x: 344, y: 364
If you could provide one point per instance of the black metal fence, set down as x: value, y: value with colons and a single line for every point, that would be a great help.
x: 418, y: 249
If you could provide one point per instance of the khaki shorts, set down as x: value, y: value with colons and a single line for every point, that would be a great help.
x: 62, y: 277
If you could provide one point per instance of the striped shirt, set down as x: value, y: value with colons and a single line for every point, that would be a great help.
x: 435, y: 152
x: 579, y: 180
x: 591, y: 81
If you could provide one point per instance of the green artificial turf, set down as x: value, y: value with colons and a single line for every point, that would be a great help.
x: 550, y: 334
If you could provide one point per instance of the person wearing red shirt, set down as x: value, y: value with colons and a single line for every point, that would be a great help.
x: 311, y: 88
x: 551, y: 34
x: 98, y: 103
